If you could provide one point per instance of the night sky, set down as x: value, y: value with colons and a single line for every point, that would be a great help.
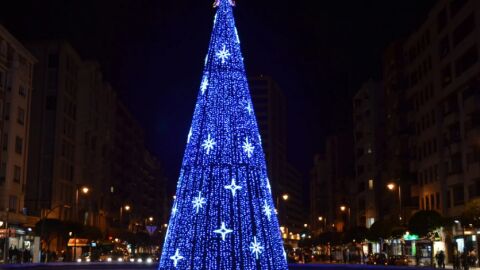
x: 152, y: 52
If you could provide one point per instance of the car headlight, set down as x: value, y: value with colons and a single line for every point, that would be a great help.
x: 88, y: 259
x: 132, y: 260
x: 139, y: 260
x: 79, y: 260
x: 109, y: 259
x: 119, y: 260
x: 149, y: 260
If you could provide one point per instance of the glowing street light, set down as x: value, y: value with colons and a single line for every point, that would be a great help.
x: 150, y: 219
x: 391, y: 186
x: 343, y: 208
x: 285, y: 197
x: 85, y: 190
x: 127, y: 207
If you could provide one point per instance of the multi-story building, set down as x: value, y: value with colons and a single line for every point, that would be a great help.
x: 332, y: 178
x: 368, y: 112
x: 127, y: 162
x: 271, y: 111
x: 319, y: 196
x: 16, y: 71
x: 397, y: 156
x: 442, y: 67
x: 52, y: 184
x: 95, y: 119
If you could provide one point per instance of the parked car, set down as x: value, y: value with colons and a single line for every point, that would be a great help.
x: 377, y: 259
x: 398, y: 260
x: 113, y: 256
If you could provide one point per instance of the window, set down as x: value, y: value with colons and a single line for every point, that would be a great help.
x: 432, y: 201
x: 427, y: 203
x: 3, y: 172
x: 444, y: 47
x: 51, y: 103
x: 52, y: 79
x: 53, y: 60
x: 449, y: 198
x: 16, y: 174
x: 370, y: 184
x: 5, y: 141
x: 18, y: 145
x: 7, y: 111
x: 21, y: 116
x: 361, y: 186
x: 464, y: 62
x: 22, y: 91
x: 441, y: 20
x: 12, y: 203
x: 463, y: 30
x: 446, y: 76
x: 2, y: 78
x: 458, y: 194
x: 437, y: 200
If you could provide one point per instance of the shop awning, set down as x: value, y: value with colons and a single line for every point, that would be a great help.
x: 77, y: 242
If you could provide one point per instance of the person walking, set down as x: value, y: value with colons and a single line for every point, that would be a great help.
x: 465, y: 263
x: 440, y: 259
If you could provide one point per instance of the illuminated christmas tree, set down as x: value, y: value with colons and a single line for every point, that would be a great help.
x: 223, y: 216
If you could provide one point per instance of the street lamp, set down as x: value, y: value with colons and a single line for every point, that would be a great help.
x: 84, y: 190
x: 345, y: 208
x: 285, y: 198
x: 391, y: 187
x: 127, y: 208
x: 324, y: 221
x: 150, y: 219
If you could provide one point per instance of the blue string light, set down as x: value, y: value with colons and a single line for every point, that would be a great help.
x: 223, y: 215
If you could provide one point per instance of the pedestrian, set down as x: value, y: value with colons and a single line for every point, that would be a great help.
x: 441, y: 259
x: 465, y: 263
x: 456, y: 260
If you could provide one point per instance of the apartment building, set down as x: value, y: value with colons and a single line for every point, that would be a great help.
x: 368, y: 112
x: 16, y: 71
x: 442, y: 71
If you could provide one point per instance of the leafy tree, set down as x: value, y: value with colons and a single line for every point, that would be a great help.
x: 471, y: 213
x: 49, y: 229
x: 424, y: 222
x: 328, y: 237
x: 357, y: 234
x: 381, y: 229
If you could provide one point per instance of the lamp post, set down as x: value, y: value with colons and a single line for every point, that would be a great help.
x: 83, y: 190
x: 285, y: 198
x: 323, y: 220
x: 127, y: 208
x: 345, y: 208
x: 391, y: 187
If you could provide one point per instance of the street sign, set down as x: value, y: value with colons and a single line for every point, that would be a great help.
x: 151, y: 229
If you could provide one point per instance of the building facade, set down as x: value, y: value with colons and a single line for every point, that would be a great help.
x: 52, y: 173
x: 16, y: 75
x: 442, y: 67
x: 271, y: 111
x: 368, y: 112
x: 331, y: 183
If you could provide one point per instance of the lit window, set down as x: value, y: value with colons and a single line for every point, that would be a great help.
x: 370, y: 184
